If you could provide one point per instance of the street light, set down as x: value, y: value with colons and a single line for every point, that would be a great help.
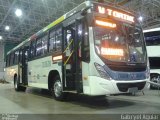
x: 7, y: 28
x: 1, y: 37
x: 140, y: 18
x: 18, y: 12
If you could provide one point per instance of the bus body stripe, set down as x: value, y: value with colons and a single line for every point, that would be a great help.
x: 54, y: 23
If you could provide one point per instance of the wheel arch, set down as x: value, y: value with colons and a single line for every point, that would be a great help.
x: 15, y: 75
x: 51, y: 76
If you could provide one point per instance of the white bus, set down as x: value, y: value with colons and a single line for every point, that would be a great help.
x: 152, y: 38
x: 95, y: 49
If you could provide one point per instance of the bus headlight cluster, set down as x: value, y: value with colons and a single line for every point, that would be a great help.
x: 102, y: 72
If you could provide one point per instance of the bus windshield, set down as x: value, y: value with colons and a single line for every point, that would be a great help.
x: 124, y: 43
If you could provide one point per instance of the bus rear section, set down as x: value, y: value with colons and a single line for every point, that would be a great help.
x: 152, y: 38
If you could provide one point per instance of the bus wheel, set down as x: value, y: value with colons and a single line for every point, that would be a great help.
x: 56, y: 89
x: 156, y: 79
x: 17, y: 86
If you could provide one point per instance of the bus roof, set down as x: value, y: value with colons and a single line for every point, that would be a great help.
x: 80, y: 7
x: 62, y: 18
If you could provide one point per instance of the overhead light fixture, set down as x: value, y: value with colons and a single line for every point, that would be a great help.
x: 140, y: 18
x: 18, y: 12
x: 1, y: 37
x: 7, y: 28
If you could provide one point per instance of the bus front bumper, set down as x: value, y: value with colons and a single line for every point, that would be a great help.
x: 101, y: 86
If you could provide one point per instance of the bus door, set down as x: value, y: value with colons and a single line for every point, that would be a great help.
x: 22, y: 66
x: 72, y: 73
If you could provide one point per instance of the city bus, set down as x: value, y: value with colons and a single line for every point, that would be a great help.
x: 96, y: 49
x: 152, y: 38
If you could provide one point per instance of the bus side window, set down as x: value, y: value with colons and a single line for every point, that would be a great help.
x: 12, y: 58
x: 32, y: 49
x: 27, y: 54
x: 52, y: 42
x: 7, y: 61
x: 39, y: 47
x: 59, y: 39
x: 80, y: 38
x: 85, y: 45
x: 44, y: 44
x: 20, y: 56
x: 16, y: 57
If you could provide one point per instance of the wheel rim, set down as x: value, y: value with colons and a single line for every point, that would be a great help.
x: 155, y: 79
x: 57, y: 88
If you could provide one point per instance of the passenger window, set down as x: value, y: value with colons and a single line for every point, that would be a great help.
x: 58, y: 39
x: 20, y: 56
x: 85, y: 45
x: 32, y: 49
x: 80, y: 38
x: 7, y: 61
x: 16, y: 57
x: 9, y: 56
x: 27, y: 54
x: 12, y: 59
x: 52, y: 42
x: 44, y: 44
x: 39, y: 47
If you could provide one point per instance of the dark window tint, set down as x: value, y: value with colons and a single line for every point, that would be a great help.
x: 39, y: 47
x: 58, y: 39
x: 12, y: 59
x: 154, y: 62
x: 20, y: 56
x: 33, y: 47
x: 16, y: 57
x: 9, y: 56
x: 44, y: 44
x: 80, y: 38
x: 26, y: 52
x: 152, y: 38
x: 85, y: 45
x: 55, y: 40
x: 52, y: 42
x: 7, y: 61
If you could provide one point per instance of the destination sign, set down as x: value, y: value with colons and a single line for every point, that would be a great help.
x: 116, y: 14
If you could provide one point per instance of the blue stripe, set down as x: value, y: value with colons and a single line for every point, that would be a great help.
x: 116, y: 75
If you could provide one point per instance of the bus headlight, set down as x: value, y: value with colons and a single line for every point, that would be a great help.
x: 102, y: 72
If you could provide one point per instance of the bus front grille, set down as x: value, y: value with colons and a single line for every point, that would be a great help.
x: 123, y: 87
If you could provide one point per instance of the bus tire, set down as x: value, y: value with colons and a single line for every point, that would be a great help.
x: 22, y: 88
x: 17, y: 86
x: 56, y: 89
x: 156, y: 79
